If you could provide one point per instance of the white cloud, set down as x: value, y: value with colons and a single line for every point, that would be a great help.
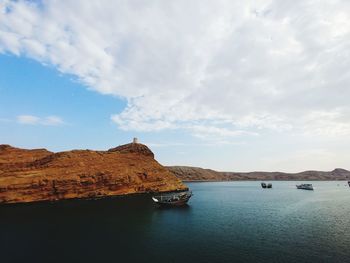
x: 331, y: 123
x: 214, y: 133
x: 213, y: 68
x: 309, y: 159
x: 52, y: 121
x: 28, y: 119
x: 35, y: 120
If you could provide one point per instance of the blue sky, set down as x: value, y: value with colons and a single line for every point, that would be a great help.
x: 235, y: 86
x: 29, y: 88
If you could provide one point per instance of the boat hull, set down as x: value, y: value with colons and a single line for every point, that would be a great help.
x: 175, y: 199
x: 310, y: 188
x: 176, y: 203
x: 264, y: 185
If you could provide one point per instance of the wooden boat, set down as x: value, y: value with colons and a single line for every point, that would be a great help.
x: 173, y: 199
x: 264, y: 185
x: 305, y: 186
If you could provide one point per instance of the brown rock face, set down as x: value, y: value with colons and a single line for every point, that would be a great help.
x: 186, y: 173
x: 38, y: 175
x: 7, y: 154
x: 133, y: 148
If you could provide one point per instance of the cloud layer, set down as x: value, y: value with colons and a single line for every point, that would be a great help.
x: 35, y: 120
x: 212, y: 68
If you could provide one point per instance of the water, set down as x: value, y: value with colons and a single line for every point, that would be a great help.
x: 224, y: 222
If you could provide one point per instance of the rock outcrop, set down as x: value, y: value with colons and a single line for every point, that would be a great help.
x: 186, y: 173
x: 40, y: 175
x: 133, y: 148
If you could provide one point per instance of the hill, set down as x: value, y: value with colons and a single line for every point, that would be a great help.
x: 186, y: 173
x: 41, y: 175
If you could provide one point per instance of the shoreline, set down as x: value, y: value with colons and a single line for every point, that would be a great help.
x: 256, y: 180
x: 92, y: 198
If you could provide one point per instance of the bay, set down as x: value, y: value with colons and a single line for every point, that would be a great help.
x: 223, y: 222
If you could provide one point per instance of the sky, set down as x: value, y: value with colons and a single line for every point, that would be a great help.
x: 227, y: 85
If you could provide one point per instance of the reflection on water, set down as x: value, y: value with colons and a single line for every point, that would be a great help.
x: 174, y: 208
x: 223, y: 222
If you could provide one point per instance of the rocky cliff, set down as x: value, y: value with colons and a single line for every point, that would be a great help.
x: 39, y: 175
x: 186, y: 173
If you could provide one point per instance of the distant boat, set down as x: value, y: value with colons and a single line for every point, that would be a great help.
x: 305, y: 186
x: 264, y: 185
x: 349, y: 183
x: 173, y: 199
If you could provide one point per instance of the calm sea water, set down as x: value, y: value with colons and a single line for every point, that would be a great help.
x: 224, y: 222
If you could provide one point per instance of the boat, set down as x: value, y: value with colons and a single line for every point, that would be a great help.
x: 305, y: 186
x: 264, y: 185
x: 349, y: 183
x: 173, y: 199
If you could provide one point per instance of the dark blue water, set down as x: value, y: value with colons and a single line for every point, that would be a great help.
x: 224, y: 222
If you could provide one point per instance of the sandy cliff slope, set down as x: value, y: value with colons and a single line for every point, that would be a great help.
x: 38, y: 175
